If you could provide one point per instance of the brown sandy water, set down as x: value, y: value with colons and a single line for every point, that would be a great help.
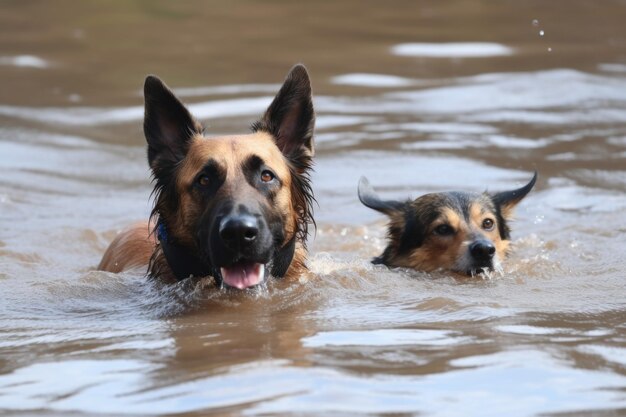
x: 545, y: 337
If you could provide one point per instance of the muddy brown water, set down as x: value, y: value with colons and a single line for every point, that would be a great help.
x: 508, y: 87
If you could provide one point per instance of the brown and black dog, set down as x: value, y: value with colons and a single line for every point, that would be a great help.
x: 457, y: 231
x: 231, y: 207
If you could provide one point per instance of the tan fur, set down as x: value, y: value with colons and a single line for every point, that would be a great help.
x: 231, y: 151
x: 131, y: 248
x: 438, y: 252
x: 478, y: 213
x: 443, y: 252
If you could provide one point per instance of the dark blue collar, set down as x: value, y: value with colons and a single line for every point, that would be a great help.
x: 180, y: 259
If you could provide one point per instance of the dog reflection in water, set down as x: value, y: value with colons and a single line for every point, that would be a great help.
x: 458, y: 231
x: 235, y: 208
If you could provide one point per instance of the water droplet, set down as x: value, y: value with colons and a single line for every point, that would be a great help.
x: 541, y: 33
x: 549, y: 49
x: 535, y: 22
x: 78, y: 33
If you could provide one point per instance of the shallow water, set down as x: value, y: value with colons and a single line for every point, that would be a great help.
x: 517, y: 86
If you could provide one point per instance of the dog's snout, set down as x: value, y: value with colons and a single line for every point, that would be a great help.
x: 239, y: 231
x: 482, y: 250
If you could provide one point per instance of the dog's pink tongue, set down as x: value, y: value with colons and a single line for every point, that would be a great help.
x: 243, y: 275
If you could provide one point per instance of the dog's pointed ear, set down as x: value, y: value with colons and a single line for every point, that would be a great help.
x: 168, y: 125
x: 370, y: 199
x: 291, y: 118
x: 507, y: 200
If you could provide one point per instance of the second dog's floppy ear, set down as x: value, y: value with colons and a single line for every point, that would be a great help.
x: 370, y: 199
x: 168, y: 125
x: 290, y: 118
x: 507, y: 200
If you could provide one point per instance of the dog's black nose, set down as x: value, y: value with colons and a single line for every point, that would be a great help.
x: 482, y: 250
x: 239, y: 231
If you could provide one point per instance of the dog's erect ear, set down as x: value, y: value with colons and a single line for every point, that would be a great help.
x: 167, y: 125
x: 290, y: 118
x: 369, y: 198
x: 507, y: 200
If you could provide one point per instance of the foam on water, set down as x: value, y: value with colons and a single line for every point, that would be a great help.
x: 24, y: 61
x: 373, y: 80
x: 452, y: 50
x: 89, y: 116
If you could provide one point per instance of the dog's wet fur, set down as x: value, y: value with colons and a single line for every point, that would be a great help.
x: 463, y: 232
x: 230, y: 207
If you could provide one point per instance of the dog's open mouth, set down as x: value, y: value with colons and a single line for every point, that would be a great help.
x: 243, y: 274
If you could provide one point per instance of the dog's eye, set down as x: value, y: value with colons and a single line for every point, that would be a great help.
x: 444, y: 230
x: 488, y: 224
x: 267, y: 176
x: 203, y: 180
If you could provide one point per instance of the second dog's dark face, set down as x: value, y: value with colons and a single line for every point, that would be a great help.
x: 457, y: 231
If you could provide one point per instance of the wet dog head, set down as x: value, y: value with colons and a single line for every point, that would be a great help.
x: 457, y: 231
x: 232, y: 206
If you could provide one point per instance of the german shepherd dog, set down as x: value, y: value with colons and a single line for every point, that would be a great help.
x: 236, y: 208
x: 458, y: 231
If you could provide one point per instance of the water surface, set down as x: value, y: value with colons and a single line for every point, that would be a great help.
x: 420, y: 97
